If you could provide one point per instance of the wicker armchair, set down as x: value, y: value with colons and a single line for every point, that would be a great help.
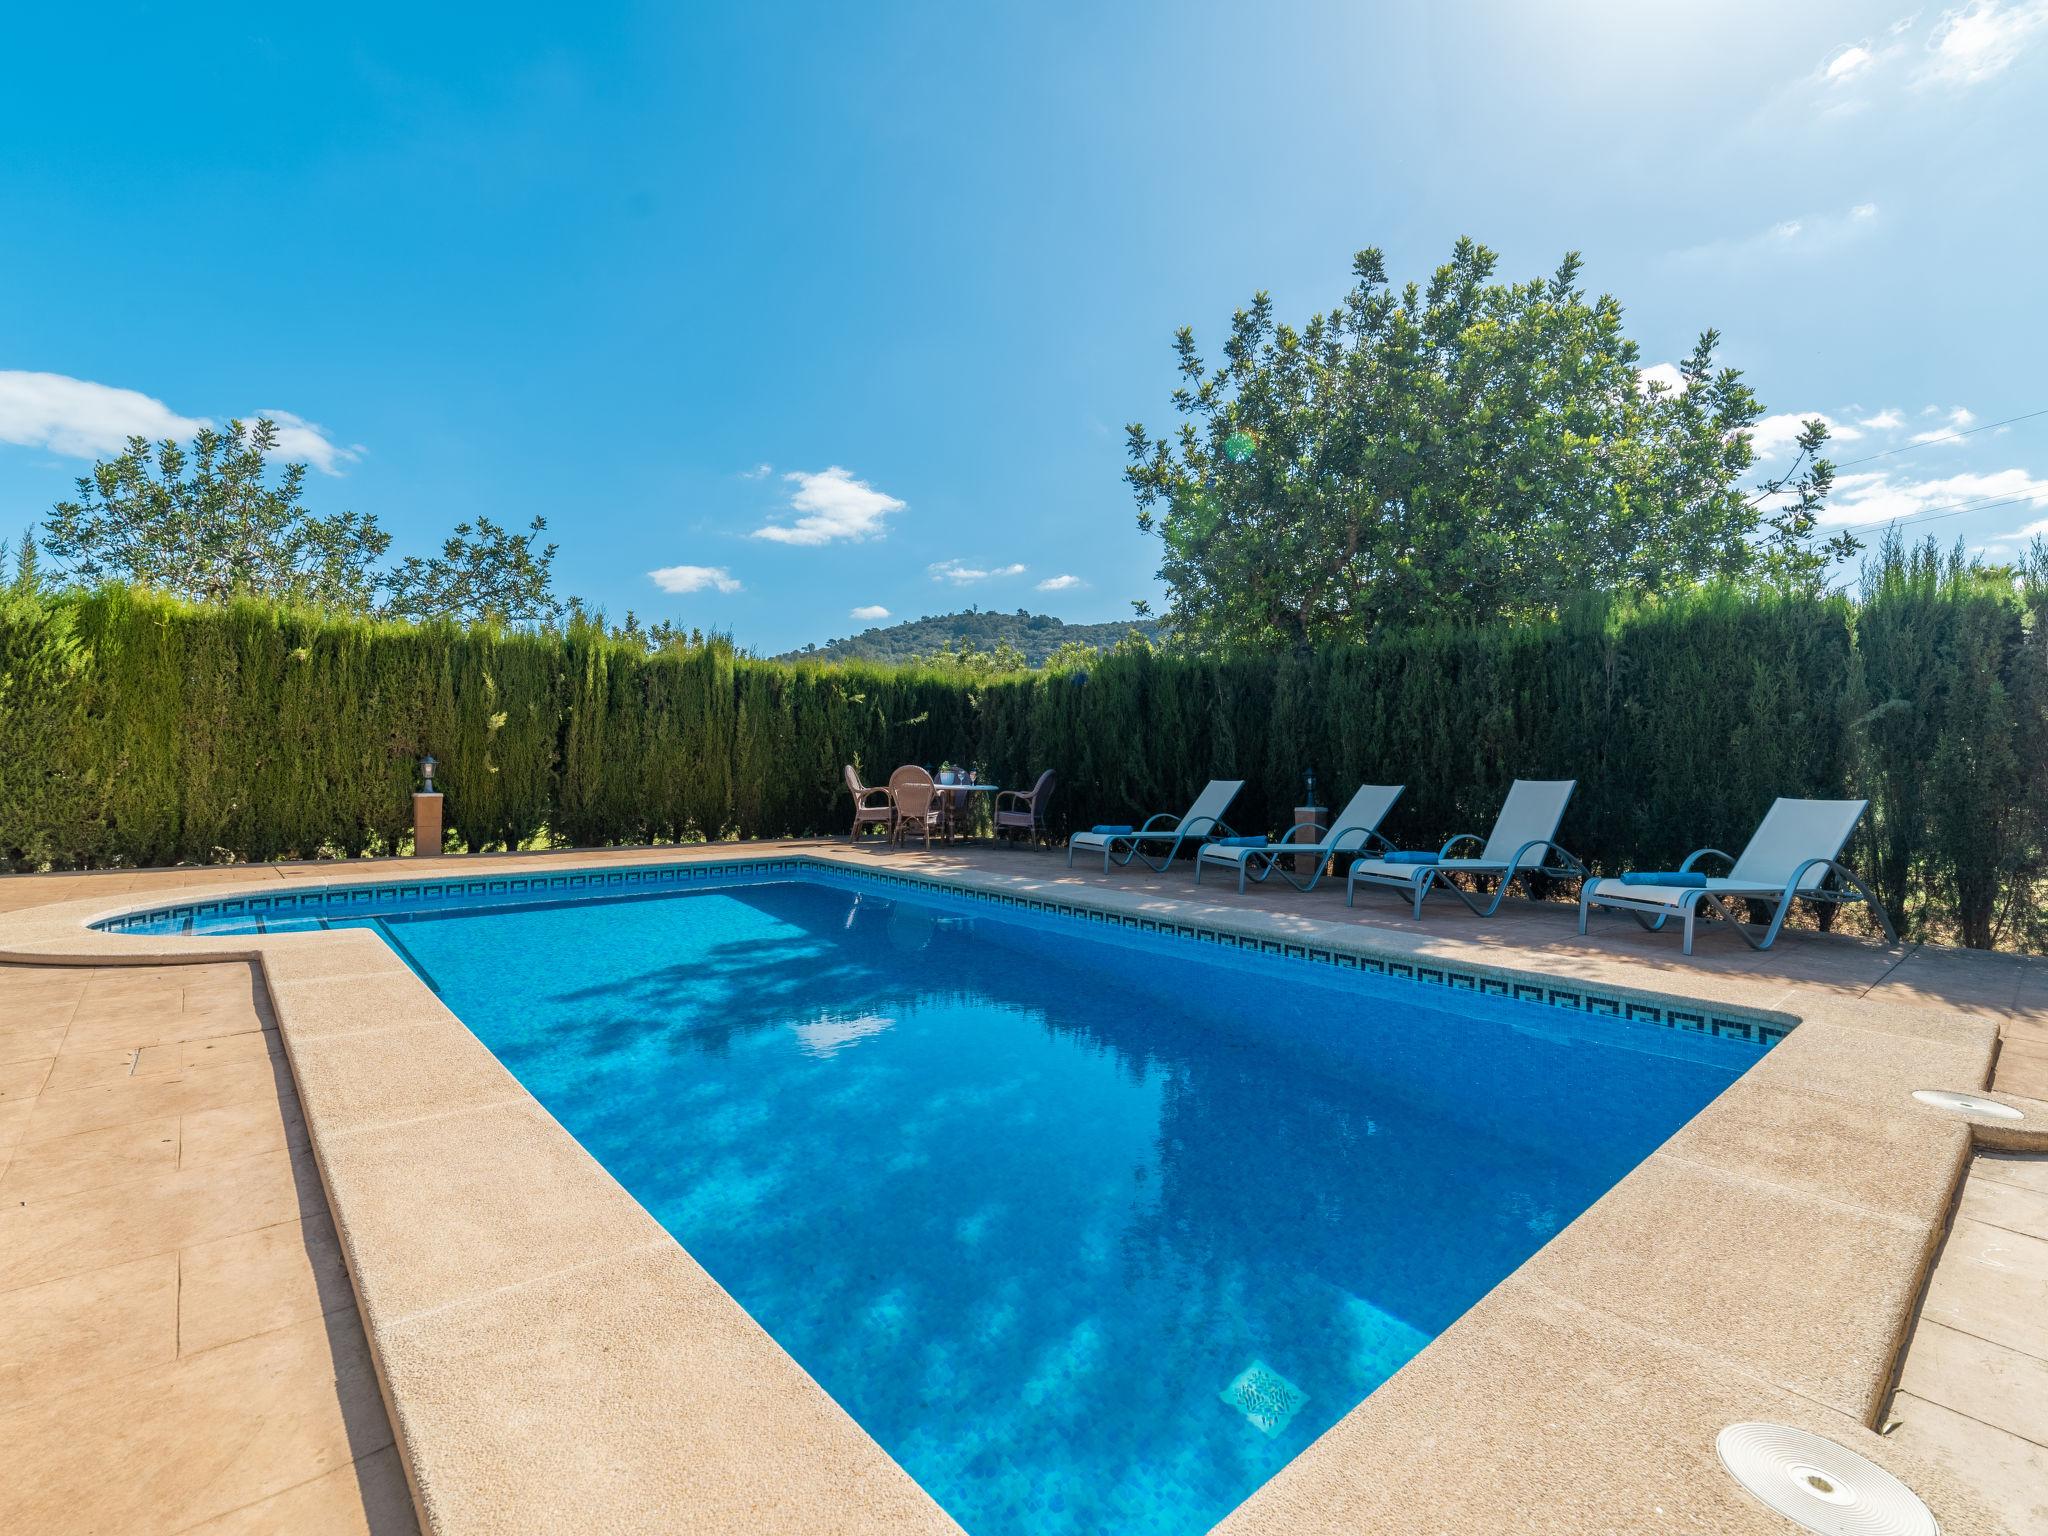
x: 1022, y: 815
x: 917, y: 803
x: 871, y: 807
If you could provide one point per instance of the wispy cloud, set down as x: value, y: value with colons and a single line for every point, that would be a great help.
x: 758, y: 472
x: 1885, y: 495
x: 304, y: 442
x: 868, y: 611
x: 694, y: 578
x: 1953, y: 421
x: 1887, y: 420
x: 1775, y: 434
x: 1802, y: 238
x: 1976, y: 42
x: 961, y: 574
x: 1846, y: 63
x: 832, y: 504
x: 1061, y: 583
x: 81, y: 419
x: 84, y: 420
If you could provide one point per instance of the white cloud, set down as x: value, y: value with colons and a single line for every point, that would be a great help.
x: 869, y: 611
x: 1774, y: 434
x: 1974, y: 42
x: 1887, y: 420
x: 694, y: 578
x: 1807, y: 237
x: 1846, y: 63
x: 1876, y: 496
x: 1061, y: 583
x: 1954, y: 421
x: 84, y: 420
x: 834, y: 505
x: 961, y: 574
x: 81, y: 419
x: 758, y: 472
x: 300, y: 441
x: 1666, y: 374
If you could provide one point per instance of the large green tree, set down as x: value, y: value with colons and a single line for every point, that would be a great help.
x: 214, y: 523
x: 1466, y: 450
x: 220, y: 520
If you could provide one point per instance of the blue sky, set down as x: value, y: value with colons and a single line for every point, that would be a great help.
x: 825, y: 308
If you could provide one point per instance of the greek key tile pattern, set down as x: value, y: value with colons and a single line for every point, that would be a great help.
x: 287, y: 911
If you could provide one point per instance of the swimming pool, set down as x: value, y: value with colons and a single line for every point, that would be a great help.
x: 1090, y: 1229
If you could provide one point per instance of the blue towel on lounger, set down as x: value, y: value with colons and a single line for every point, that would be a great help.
x: 1409, y: 858
x: 1683, y: 878
x: 1240, y: 842
x: 1124, y: 830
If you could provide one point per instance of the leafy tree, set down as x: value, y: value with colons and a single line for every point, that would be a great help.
x: 483, y: 573
x: 1465, y: 450
x: 212, y: 523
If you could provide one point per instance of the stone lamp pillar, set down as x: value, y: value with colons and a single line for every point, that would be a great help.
x: 1307, y: 815
x: 426, y: 813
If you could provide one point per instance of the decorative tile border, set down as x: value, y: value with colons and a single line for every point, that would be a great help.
x: 464, y: 893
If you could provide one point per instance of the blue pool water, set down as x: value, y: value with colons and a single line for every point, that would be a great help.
x: 1091, y: 1233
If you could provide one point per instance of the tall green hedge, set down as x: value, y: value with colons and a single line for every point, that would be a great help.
x: 136, y: 730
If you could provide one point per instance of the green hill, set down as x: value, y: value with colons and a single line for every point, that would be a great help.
x: 1037, y: 635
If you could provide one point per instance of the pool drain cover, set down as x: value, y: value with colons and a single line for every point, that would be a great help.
x: 1267, y: 1399
x: 1967, y: 1104
x: 1823, y: 1486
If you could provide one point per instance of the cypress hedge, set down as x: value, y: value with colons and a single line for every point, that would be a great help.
x: 142, y: 731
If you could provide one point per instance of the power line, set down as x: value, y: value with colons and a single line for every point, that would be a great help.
x: 1928, y: 442
x: 1936, y: 514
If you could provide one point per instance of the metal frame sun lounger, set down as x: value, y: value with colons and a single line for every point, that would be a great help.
x: 1352, y: 830
x: 1523, y: 842
x: 1794, y: 855
x: 1203, y: 820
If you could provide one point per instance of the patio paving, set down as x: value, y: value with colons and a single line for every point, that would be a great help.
x: 172, y: 1297
x: 179, y: 1347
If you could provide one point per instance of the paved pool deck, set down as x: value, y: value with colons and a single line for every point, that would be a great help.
x: 338, y: 1256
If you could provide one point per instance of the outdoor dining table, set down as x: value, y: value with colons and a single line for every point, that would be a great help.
x: 964, y: 809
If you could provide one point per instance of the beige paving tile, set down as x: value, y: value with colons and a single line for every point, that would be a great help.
x: 220, y: 1050
x: 1830, y: 1148
x: 240, y: 1130
x: 129, y: 1028
x: 161, y: 1449
x: 366, y: 1498
x: 2011, y: 1474
x: 234, y: 1287
x: 430, y: 1216
x: 42, y: 1170
x: 149, y: 1098
x: 694, y: 1414
x: 90, y: 1069
x: 14, y: 1117
x: 23, y: 1080
x: 1994, y: 1284
x: 74, y: 1234
x: 29, y: 1042
x: 1987, y: 1381
x: 2026, y: 1170
x: 85, y: 1327
x: 2023, y: 1072
x: 39, y: 1007
x: 1811, y: 1317
x: 2005, y: 1205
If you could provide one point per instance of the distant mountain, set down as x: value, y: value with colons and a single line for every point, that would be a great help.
x: 1037, y: 635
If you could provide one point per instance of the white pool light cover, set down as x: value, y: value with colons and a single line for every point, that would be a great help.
x: 1823, y: 1486
x: 1967, y: 1103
